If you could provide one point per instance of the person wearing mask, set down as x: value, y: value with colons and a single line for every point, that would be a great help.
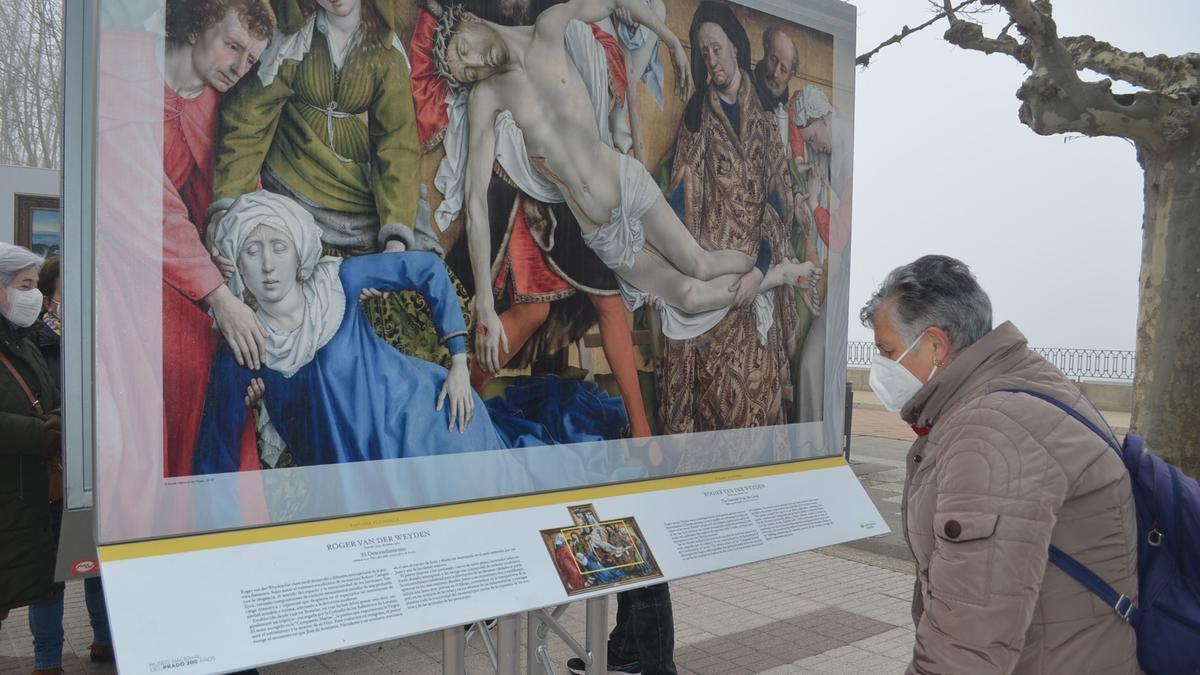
x: 32, y: 430
x: 994, y: 478
x: 46, y: 333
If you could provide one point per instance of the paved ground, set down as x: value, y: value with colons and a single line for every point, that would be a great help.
x: 843, y: 609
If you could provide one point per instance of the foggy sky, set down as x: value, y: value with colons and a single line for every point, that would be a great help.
x: 1050, y: 225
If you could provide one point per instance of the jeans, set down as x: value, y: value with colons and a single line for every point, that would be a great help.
x: 45, y: 618
x: 645, y: 630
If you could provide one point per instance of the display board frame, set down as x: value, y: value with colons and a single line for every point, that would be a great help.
x: 179, y: 552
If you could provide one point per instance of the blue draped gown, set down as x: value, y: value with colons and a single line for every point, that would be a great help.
x: 360, y: 399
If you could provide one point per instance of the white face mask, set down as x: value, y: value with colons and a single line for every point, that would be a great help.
x: 893, y: 383
x: 23, y: 307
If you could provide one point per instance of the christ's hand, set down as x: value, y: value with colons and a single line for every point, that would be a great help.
x: 684, y: 87
x: 491, y: 339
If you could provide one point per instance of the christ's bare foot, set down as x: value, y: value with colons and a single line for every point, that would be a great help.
x: 802, y: 275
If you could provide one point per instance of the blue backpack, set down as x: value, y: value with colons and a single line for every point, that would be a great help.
x: 1167, y: 618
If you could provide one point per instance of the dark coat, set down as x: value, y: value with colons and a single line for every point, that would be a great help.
x: 27, y: 545
x: 50, y: 345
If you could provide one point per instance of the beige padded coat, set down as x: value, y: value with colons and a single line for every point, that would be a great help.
x: 999, y: 477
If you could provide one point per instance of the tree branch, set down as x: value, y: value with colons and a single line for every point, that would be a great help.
x: 969, y: 35
x: 864, y: 60
x: 1169, y: 75
x: 1055, y: 100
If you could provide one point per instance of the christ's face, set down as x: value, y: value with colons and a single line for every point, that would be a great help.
x: 225, y: 52
x: 720, y: 56
x: 476, y: 52
x: 268, y: 262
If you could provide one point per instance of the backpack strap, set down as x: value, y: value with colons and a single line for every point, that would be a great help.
x: 1108, y: 438
x: 1121, y: 603
x: 33, y: 400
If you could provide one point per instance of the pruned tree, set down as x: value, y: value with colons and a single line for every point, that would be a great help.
x: 1161, y: 118
x: 31, y: 82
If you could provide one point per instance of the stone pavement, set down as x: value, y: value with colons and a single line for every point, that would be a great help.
x: 843, y: 609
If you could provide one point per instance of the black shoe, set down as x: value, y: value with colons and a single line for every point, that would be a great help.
x: 101, y: 653
x: 633, y: 667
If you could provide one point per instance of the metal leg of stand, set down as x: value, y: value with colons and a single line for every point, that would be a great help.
x: 535, y: 641
x: 596, y: 639
x: 508, y: 644
x: 849, y: 418
x: 454, y: 648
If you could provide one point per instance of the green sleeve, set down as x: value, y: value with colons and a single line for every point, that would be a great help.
x: 393, y: 130
x: 249, y: 116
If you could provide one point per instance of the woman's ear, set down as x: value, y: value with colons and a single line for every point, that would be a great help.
x: 941, y: 346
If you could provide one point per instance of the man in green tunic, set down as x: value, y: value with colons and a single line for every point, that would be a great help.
x: 328, y: 121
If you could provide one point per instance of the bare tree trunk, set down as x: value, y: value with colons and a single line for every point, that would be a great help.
x: 1167, y: 384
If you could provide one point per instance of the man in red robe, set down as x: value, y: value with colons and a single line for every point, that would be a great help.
x: 208, y: 50
x: 154, y: 339
x: 568, y: 568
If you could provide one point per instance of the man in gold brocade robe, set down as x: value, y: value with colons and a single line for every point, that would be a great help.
x: 730, y: 177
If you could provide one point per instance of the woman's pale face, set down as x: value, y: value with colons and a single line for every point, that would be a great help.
x: 820, y: 134
x: 891, y: 345
x: 339, y: 7
x: 269, y: 264
x: 25, y: 280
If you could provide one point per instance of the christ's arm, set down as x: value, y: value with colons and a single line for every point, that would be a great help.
x: 553, y: 22
x: 481, y: 153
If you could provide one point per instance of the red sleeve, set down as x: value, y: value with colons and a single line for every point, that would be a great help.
x: 796, y: 141
x: 617, y: 75
x: 428, y: 89
x: 187, y: 266
x: 821, y: 215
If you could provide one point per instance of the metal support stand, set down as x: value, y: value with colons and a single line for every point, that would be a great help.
x: 508, y: 641
x: 596, y: 636
x: 454, y: 651
x: 594, y: 651
x: 849, y: 418
x: 505, y: 650
x: 535, y: 645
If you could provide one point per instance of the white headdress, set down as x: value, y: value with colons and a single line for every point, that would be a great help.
x: 325, y: 301
x: 810, y: 105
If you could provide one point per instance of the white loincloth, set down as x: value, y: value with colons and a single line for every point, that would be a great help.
x: 618, y: 242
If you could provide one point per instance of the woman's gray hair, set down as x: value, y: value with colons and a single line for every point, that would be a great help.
x: 934, y: 290
x: 13, y: 259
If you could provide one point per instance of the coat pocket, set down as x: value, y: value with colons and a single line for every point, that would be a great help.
x: 961, y: 565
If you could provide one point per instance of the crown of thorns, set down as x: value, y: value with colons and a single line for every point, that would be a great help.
x: 448, y: 23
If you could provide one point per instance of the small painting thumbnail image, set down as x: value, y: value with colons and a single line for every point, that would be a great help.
x: 591, y: 554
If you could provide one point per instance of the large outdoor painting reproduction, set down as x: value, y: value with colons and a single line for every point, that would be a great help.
x: 421, y: 251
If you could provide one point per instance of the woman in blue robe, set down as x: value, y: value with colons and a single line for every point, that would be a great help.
x: 332, y: 390
x: 597, y: 573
